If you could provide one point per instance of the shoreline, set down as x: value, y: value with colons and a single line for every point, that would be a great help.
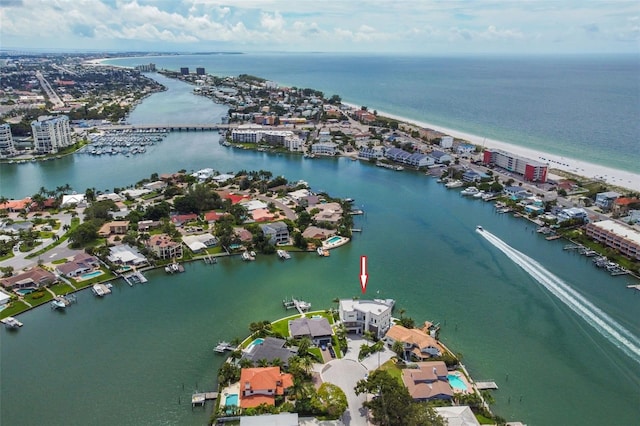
x: 616, y: 177
x: 606, y: 174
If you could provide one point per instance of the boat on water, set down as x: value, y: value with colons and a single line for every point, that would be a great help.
x: 479, y: 194
x: 470, y: 191
x: 58, y: 303
x: 11, y: 322
x: 173, y: 268
x: 454, y: 184
x: 479, y: 228
x: 282, y: 254
x: 322, y: 252
x: 246, y: 256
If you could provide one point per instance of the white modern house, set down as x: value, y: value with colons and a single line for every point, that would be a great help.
x: 359, y: 316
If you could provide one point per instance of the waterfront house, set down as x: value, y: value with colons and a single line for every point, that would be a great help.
x: 15, y: 206
x: 428, y: 382
x: 572, y: 213
x: 201, y: 242
x: 317, y: 329
x: 270, y: 349
x: 276, y: 232
x: 359, y: 316
x: 376, y: 152
x: 31, y: 279
x: 605, y: 200
x: 126, y: 255
x: 80, y: 264
x: 465, y: 149
x: 329, y: 213
x: 318, y: 233
x: 397, y: 155
x: 155, y: 186
x: 280, y: 419
x: 164, y: 247
x: 261, y: 385
x: 471, y: 176
x: 460, y: 415
x: 324, y: 148
x: 515, y: 192
x: 441, y: 157
x: 419, y: 160
x: 417, y: 343
x: 78, y: 200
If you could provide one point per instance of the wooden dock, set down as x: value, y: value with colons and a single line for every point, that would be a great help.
x: 486, y: 385
x: 300, y: 305
x: 135, y: 277
x: 200, y: 398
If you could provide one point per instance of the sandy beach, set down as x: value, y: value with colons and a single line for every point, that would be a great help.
x: 609, y: 175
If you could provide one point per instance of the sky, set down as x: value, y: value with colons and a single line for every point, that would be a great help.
x: 398, y: 26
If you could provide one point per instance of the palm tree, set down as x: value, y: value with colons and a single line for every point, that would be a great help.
x: 245, y: 363
x: 263, y: 362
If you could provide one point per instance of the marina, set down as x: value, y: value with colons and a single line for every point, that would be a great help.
x: 125, y: 142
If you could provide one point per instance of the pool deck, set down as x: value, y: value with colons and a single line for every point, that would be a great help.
x: 328, y: 246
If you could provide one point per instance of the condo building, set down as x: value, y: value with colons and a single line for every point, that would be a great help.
x: 50, y: 134
x: 7, y: 149
x: 532, y: 171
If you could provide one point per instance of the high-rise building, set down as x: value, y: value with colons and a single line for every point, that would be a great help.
x: 184, y: 70
x: 50, y: 134
x: 531, y: 170
x: 200, y: 71
x: 7, y: 149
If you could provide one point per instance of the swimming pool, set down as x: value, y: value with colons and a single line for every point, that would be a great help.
x: 333, y: 239
x: 255, y: 342
x: 231, y: 399
x: 456, y: 382
x: 24, y: 291
x: 91, y: 275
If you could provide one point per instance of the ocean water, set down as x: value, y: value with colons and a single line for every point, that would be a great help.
x: 583, y: 107
x: 135, y: 357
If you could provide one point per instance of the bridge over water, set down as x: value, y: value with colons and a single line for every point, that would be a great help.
x: 165, y: 127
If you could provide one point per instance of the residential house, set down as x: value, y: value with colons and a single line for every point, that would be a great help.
x: 459, y: 415
x: 428, y: 382
x: 147, y: 225
x: 324, y: 148
x: 80, y: 264
x: 441, y: 157
x: 446, y: 142
x: 276, y: 232
x: 126, y: 255
x: 164, y: 247
x: 572, y: 213
x: 198, y: 243
x: 78, y: 200
x: 32, y: 279
x: 376, y: 152
x: 116, y: 227
x: 416, y: 342
x: 317, y: 329
x: 515, y: 192
x: 622, y: 206
x: 605, y: 200
x: 270, y: 349
x: 329, y: 213
x: 359, y: 316
x: 261, y: 385
x: 280, y: 419
x: 181, y: 219
x: 465, y: 149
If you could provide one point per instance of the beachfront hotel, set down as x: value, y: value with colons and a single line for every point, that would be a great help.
x: 50, y: 134
x: 359, y: 316
x: 616, y: 235
x: 532, y: 171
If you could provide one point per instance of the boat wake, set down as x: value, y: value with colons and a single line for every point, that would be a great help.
x: 595, y: 317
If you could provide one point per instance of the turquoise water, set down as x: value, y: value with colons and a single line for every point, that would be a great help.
x: 333, y: 239
x: 231, y: 399
x: 91, y: 274
x: 583, y: 107
x: 456, y: 383
x: 257, y: 341
x: 24, y: 291
x: 423, y: 250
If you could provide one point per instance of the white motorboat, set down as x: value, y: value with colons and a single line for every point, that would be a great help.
x: 472, y: 190
x: 454, y: 184
x: 282, y: 254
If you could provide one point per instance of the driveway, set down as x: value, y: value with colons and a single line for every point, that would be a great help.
x: 346, y: 372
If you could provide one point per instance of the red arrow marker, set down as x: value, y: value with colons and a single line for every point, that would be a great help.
x: 363, y: 274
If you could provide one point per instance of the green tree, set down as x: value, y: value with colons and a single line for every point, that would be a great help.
x: 83, y: 234
x: 391, y: 402
x: 332, y: 400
